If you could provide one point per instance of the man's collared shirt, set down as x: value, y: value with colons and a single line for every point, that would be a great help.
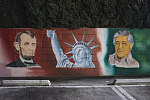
x: 126, y: 62
x: 23, y: 60
x: 28, y: 63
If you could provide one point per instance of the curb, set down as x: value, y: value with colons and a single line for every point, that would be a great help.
x: 25, y: 83
x: 143, y: 81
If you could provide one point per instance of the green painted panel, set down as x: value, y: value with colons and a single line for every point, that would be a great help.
x: 140, y: 52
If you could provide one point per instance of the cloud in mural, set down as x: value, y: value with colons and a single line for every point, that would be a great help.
x: 123, y: 41
x: 82, y: 53
x: 25, y: 44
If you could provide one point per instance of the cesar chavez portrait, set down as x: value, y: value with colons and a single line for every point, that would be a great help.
x: 123, y: 41
x: 25, y: 45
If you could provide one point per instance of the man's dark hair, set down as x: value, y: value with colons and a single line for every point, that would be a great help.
x: 18, y: 39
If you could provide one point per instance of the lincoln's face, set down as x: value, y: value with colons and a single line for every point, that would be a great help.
x: 27, y: 46
x: 122, y: 46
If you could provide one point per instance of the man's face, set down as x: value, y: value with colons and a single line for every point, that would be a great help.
x: 122, y: 46
x: 27, y: 46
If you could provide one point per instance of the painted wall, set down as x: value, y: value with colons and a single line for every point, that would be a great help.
x: 140, y: 52
x: 51, y: 52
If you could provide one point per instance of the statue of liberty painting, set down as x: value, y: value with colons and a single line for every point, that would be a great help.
x: 82, y: 53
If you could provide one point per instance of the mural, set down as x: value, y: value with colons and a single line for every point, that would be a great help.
x: 123, y: 41
x: 59, y: 52
x: 25, y: 44
x: 82, y: 53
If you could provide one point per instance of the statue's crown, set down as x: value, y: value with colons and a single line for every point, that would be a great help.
x: 81, y: 44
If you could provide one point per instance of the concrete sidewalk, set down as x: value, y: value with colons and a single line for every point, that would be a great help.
x: 85, y: 81
x: 97, y: 81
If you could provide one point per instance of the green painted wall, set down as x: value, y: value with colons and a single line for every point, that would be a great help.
x: 140, y: 52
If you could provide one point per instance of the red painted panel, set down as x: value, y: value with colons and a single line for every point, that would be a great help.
x: 44, y: 55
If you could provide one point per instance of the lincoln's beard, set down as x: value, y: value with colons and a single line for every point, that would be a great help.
x: 26, y: 57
